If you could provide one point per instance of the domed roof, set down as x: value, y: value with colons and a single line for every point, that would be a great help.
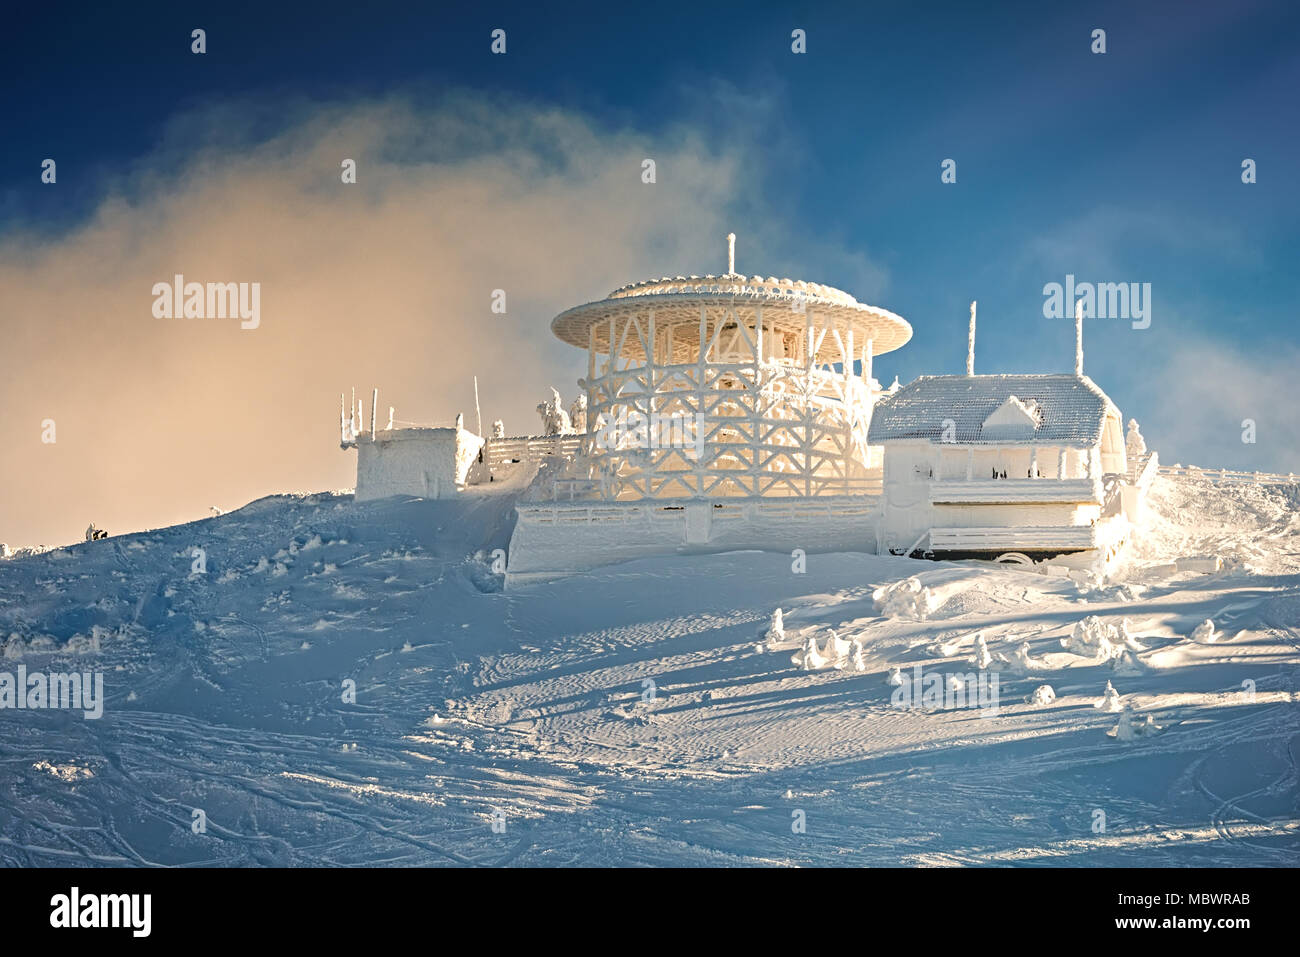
x: 679, y: 298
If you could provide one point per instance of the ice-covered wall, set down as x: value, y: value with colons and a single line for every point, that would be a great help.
x: 557, y: 539
x: 429, y: 463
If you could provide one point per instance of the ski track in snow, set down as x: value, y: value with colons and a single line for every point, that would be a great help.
x: 225, y: 693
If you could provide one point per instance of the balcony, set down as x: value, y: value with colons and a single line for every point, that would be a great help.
x: 1082, y: 491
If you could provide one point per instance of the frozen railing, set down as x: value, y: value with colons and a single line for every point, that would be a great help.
x: 581, y: 489
x: 575, y: 489
x: 1229, y: 476
x: 674, y: 510
x: 1016, y: 491
x: 1112, y: 496
x: 1142, y: 468
x: 405, y: 424
x: 1014, y: 538
x: 500, y: 453
x: 352, y: 421
x: 796, y: 507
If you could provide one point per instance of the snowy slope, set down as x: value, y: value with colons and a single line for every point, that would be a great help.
x: 535, y: 707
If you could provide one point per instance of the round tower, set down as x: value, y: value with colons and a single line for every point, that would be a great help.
x: 720, y: 386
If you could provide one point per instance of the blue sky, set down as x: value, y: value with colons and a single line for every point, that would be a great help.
x: 1118, y: 167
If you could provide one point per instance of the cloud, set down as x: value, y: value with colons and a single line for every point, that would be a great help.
x: 1110, y: 243
x: 387, y: 282
x: 1196, y: 402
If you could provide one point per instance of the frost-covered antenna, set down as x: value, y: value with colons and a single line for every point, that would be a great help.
x: 1078, y: 338
x: 478, y: 413
x: 343, y: 427
x: 970, y: 342
x: 731, y: 254
x: 374, y: 407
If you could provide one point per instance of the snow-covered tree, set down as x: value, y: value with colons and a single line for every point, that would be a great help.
x: 1134, y: 444
x: 1043, y: 694
x: 1110, y: 699
x: 775, y: 633
x: 836, y: 648
x: 1020, y: 661
x: 857, y: 656
x: 1132, y: 726
x: 578, y: 413
x: 555, y: 421
x: 809, y: 657
x: 1126, y: 663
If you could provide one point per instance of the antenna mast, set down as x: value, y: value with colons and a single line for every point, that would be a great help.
x: 970, y: 342
x: 477, y: 412
x: 1078, y: 338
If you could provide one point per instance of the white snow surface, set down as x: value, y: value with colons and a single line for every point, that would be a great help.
x: 623, y: 717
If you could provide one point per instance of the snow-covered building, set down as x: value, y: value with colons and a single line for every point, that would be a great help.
x: 729, y: 412
x: 423, y: 462
x: 723, y: 412
x: 997, y: 463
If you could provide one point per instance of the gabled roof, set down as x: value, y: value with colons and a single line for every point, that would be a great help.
x: 1071, y: 410
x: 1013, y: 419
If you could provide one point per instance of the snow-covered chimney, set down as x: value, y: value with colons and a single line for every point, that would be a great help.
x: 1078, y: 338
x: 970, y: 342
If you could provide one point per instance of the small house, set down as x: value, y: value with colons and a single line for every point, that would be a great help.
x: 982, y: 465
